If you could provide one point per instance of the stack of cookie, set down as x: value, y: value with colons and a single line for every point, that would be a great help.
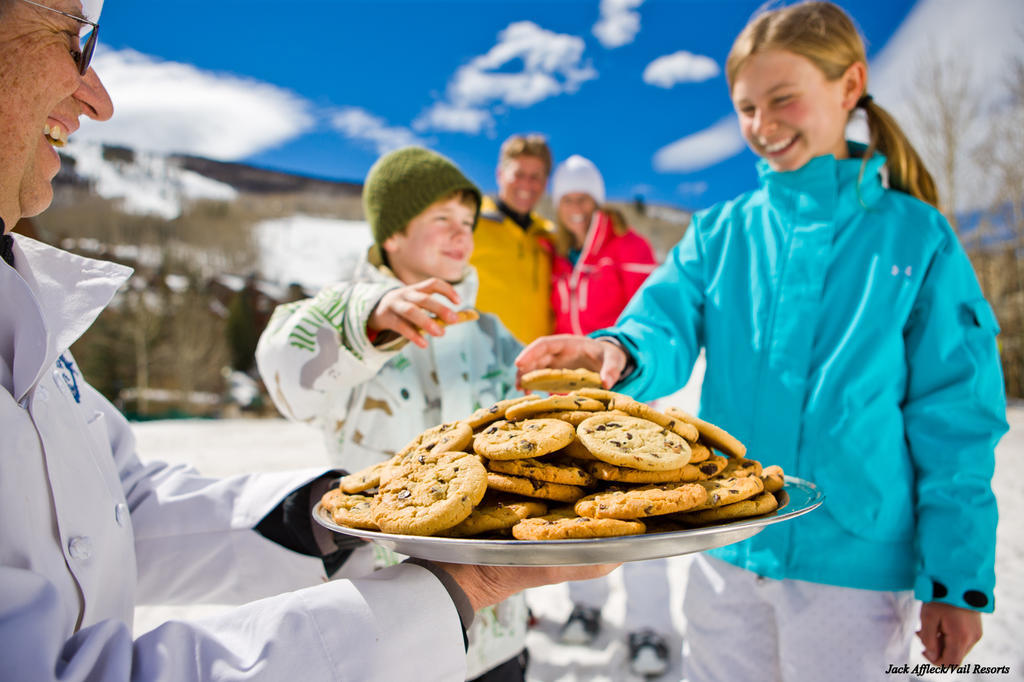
x: 586, y: 463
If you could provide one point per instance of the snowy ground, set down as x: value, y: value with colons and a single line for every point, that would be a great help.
x: 232, y: 446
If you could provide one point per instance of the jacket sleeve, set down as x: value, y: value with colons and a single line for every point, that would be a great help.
x: 397, y: 624
x: 954, y: 414
x: 313, y: 349
x: 506, y: 348
x: 662, y: 325
x: 636, y: 264
x: 194, y: 537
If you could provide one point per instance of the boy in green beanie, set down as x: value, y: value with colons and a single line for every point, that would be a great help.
x: 367, y: 362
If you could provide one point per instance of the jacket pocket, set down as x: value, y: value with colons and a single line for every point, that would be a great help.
x: 978, y: 313
x: 980, y: 329
x: 867, y: 477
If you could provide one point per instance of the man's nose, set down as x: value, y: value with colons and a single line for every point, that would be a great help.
x: 93, y: 97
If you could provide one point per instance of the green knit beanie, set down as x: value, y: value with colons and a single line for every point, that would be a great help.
x: 403, y: 183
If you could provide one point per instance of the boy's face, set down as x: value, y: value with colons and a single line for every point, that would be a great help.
x: 437, y: 243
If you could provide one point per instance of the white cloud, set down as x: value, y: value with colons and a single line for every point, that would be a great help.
x: 360, y: 124
x: 692, y: 189
x: 619, y: 23
x: 549, y: 64
x: 459, y: 119
x: 680, y: 67
x: 701, y: 149
x: 168, y: 107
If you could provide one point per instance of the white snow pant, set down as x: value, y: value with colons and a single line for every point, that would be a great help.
x: 740, y: 626
x: 647, y: 595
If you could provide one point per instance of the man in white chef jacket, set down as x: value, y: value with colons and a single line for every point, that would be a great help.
x: 87, y: 531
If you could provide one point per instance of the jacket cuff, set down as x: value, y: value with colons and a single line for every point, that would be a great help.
x: 364, y: 300
x: 291, y: 525
x: 966, y: 594
x: 455, y: 591
x: 630, y: 366
x: 632, y: 372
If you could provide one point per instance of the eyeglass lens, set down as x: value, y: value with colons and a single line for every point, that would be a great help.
x: 85, y: 56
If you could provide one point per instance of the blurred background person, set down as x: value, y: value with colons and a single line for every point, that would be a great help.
x: 597, y: 265
x: 512, y: 252
x: 598, y: 261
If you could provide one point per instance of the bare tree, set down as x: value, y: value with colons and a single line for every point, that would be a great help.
x: 194, y: 340
x: 945, y: 110
x: 977, y: 157
x: 1001, y: 159
x: 142, y: 319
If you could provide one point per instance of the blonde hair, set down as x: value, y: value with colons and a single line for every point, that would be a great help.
x: 824, y: 34
x: 526, y: 145
x: 562, y: 239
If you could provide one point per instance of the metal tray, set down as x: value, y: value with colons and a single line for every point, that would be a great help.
x: 799, y: 498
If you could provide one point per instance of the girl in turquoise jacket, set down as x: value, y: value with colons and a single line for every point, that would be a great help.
x: 848, y: 341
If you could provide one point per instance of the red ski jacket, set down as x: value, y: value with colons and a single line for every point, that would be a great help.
x: 611, y: 267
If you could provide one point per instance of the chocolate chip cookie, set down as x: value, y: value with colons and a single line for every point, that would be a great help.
x: 553, y: 470
x: 423, y: 499
x: 637, y: 503
x: 713, y: 435
x: 565, y: 526
x: 633, y: 442
x: 523, y: 439
x: 560, y: 380
x: 529, y: 487
x: 349, y: 510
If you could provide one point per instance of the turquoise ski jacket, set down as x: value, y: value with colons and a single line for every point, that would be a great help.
x: 848, y: 341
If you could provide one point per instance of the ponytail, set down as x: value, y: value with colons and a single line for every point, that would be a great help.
x: 907, y: 171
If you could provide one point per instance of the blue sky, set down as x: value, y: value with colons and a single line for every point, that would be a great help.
x: 322, y: 88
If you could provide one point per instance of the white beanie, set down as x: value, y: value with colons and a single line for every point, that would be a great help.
x: 577, y: 174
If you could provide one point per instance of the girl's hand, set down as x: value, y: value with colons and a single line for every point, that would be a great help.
x: 570, y: 352
x: 411, y: 310
x: 948, y: 632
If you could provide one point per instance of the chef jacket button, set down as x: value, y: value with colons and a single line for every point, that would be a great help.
x: 80, y: 548
x: 43, y: 393
x: 121, y: 514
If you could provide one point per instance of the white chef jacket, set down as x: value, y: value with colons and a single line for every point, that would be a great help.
x: 87, y: 531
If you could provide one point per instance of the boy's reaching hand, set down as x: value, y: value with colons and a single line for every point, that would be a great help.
x: 569, y: 351
x: 412, y: 311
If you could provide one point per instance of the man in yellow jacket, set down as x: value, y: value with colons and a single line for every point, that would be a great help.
x: 511, y: 254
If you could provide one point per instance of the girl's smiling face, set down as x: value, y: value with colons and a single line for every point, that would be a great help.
x: 789, y: 112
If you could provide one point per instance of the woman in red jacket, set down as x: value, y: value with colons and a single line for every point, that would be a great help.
x: 599, y: 262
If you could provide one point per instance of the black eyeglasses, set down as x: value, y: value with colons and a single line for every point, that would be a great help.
x: 84, y: 55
